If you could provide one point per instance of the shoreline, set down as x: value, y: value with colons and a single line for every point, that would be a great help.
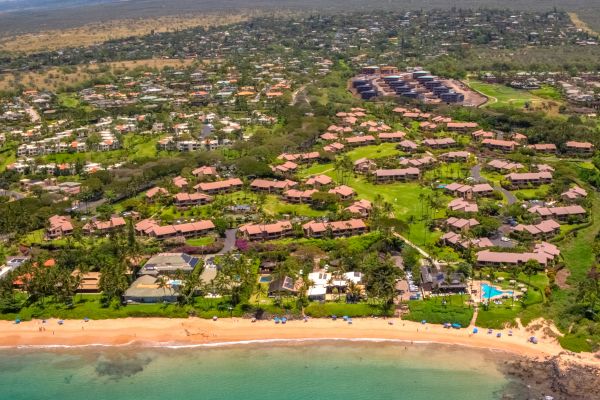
x: 198, y: 333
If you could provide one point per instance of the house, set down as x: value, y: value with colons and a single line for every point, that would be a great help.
x: 458, y: 241
x: 364, y: 165
x: 481, y: 135
x: 407, y: 146
x: 580, y: 148
x: 468, y: 191
x: 319, y: 181
x: 335, y: 229
x: 461, y: 126
x: 560, y: 213
x: 89, y: 282
x: 59, y: 226
x: 461, y: 224
x: 544, y: 229
x: 343, y: 192
x: 149, y: 227
x: 224, y: 186
x: 205, y: 171
x: 544, y: 253
x: 299, y: 196
x: 502, y: 145
x: 529, y: 178
x: 300, y: 157
x: 391, y: 175
x: 266, y: 231
x: 156, y: 191
x: 169, y: 264
x: 504, y: 166
x: 150, y: 289
x: 180, y: 182
x: 360, y: 140
x: 271, y: 186
x: 423, y: 162
x: 103, y: 227
x: 441, y: 143
x: 392, y: 136
x: 462, y: 205
x: 455, y: 156
x: 328, y: 136
x: 285, y: 168
x: 543, y: 147
x: 184, y: 200
x: 334, y: 147
x: 574, y: 194
x: 441, y: 282
x: 361, y: 208
x: 284, y: 286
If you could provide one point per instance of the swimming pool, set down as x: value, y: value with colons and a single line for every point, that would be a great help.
x: 491, y: 291
x: 265, y: 279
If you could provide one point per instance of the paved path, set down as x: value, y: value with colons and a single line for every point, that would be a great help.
x: 426, y: 255
x: 229, y: 243
x: 296, y: 94
x: 476, y: 175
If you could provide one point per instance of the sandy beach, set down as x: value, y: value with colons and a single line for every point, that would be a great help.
x: 195, y: 331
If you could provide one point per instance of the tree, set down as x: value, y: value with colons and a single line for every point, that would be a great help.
x: 530, y: 268
x: 589, y: 291
x: 113, y: 281
x: 380, y: 279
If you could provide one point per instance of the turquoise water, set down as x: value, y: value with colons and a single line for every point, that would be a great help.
x: 317, y: 370
x: 491, y: 291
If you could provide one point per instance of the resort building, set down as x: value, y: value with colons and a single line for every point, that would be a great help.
x: 560, y: 213
x: 392, y: 175
x: 544, y: 229
x: 529, y: 178
x: 266, y: 231
x: 335, y: 229
x: 268, y: 186
x: 185, y: 200
x: 225, y: 186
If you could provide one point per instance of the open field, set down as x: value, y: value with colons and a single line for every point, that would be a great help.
x: 100, y: 32
x: 54, y: 78
x: 581, y: 24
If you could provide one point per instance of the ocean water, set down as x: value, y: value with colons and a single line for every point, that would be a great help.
x: 267, y: 371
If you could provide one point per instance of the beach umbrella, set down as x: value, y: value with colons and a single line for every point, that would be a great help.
x: 475, y: 330
x: 349, y: 321
x: 423, y: 322
x: 499, y: 334
x: 447, y: 325
x: 334, y: 317
x: 215, y: 318
x: 456, y: 325
x: 17, y: 321
x: 283, y: 320
x: 276, y: 319
x: 86, y: 319
x: 345, y: 317
x: 510, y: 333
x: 60, y: 322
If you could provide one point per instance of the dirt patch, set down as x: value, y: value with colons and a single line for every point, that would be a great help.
x: 561, y: 278
x: 579, y: 24
x: 472, y: 98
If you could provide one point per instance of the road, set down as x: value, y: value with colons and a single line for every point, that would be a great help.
x: 229, y: 243
x: 34, y: 116
x: 476, y: 175
x: 296, y: 95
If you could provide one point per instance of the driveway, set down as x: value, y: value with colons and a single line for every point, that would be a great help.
x: 229, y: 243
x: 476, y: 175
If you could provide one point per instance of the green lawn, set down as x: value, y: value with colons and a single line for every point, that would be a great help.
x: 275, y: 206
x: 502, y: 96
x: 201, y: 241
x: 376, y: 151
x: 434, y: 311
x: 535, y: 193
x: 548, y: 92
x: 89, y: 306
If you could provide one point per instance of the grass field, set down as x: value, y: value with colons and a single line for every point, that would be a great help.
x: 547, y: 98
x: 375, y: 151
x: 439, y: 310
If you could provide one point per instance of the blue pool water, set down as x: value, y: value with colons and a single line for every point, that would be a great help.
x: 491, y: 291
x: 265, y: 279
